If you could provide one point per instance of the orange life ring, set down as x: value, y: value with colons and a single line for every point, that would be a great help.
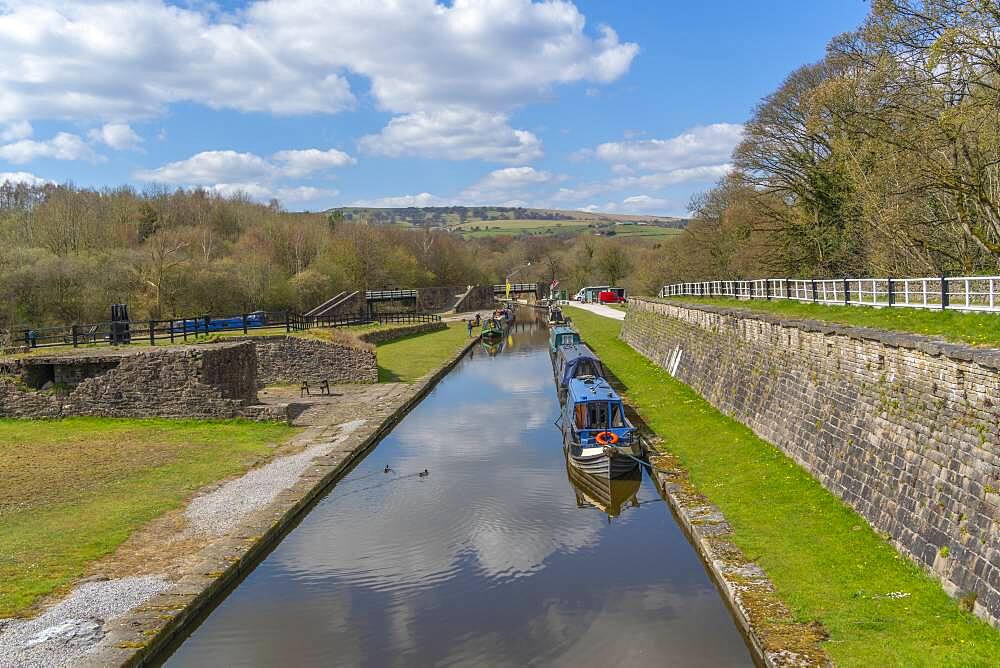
x: 606, y: 437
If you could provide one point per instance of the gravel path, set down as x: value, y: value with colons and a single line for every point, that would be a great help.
x: 67, y: 631
x: 600, y: 309
x: 221, y: 510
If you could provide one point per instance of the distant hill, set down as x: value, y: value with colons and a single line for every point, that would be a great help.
x: 479, y: 221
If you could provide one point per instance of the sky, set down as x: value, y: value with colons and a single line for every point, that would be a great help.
x: 603, y: 105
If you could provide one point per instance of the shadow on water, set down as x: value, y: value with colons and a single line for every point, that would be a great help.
x: 501, y: 556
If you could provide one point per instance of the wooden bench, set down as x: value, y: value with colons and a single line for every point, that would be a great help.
x: 305, y: 389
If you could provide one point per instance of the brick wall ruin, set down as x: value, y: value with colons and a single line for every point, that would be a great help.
x: 205, y: 381
x: 903, y: 428
x: 291, y: 359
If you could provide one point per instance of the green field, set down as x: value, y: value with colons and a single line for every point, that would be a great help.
x: 411, y: 357
x: 75, y: 489
x: 825, y: 561
x: 981, y: 329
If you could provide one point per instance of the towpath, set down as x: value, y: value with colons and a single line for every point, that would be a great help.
x: 601, y: 309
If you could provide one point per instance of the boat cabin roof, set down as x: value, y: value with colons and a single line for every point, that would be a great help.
x: 591, y: 389
x: 563, y: 329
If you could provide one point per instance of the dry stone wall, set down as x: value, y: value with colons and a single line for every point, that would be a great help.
x: 291, y: 359
x: 381, y: 335
x: 903, y: 428
x: 212, y: 381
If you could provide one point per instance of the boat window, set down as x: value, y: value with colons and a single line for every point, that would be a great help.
x: 581, y: 415
x: 597, y: 414
x: 617, y: 419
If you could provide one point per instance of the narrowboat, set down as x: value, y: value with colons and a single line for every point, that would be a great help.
x: 575, y: 361
x: 493, y: 328
x: 608, y: 495
x: 562, y: 336
x: 599, y: 438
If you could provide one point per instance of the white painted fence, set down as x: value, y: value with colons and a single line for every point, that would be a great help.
x: 963, y: 293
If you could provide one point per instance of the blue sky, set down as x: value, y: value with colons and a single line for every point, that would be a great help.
x: 614, y: 106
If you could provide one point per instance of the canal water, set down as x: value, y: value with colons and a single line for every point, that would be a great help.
x: 497, y: 557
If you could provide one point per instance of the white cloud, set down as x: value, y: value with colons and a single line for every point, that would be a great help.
x: 231, y: 168
x: 645, y: 204
x: 210, y: 168
x: 64, y: 146
x: 455, y: 133
x: 16, y: 130
x: 697, y: 147
x: 514, y: 177
x: 304, y: 194
x: 424, y: 61
x: 126, y: 59
x: 422, y: 199
x: 307, y: 161
x: 119, y: 136
x: 22, y: 177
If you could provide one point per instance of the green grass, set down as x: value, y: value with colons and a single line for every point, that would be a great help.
x: 411, y: 357
x: 976, y: 328
x: 75, y: 489
x: 824, y: 559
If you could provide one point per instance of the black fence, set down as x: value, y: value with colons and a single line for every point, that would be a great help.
x: 179, y: 330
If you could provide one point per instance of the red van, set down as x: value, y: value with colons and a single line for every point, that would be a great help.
x: 612, y: 296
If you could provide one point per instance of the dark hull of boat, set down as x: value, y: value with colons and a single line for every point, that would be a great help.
x: 607, y: 462
x: 606, y: 494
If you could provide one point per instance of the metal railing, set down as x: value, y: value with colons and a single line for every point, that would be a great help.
x: 515, y: 287
x: 960, y: 293
x: 180, y: 330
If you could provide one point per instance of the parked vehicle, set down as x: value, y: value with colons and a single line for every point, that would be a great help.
x: 599, y: 438
x: 611, y: 296
x: 590, y: 293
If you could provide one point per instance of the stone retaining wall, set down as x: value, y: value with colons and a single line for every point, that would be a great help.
x: 903, y: 428
x: 291, y: 359
x: 215, y: 381
x: 380, y: 335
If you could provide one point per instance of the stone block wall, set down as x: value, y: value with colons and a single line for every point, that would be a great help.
x: 291, y: 359
x: 381, y: 335
x: 212, y: 381
x: 903, y: 428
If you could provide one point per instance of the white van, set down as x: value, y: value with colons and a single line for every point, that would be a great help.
x: 589, y: 293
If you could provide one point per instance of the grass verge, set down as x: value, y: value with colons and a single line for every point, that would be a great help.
x: 409, y: 358
x: 74, y: 489
x: 981, y: 329
x: 825, y: 561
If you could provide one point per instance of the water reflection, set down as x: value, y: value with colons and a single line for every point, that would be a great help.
x: 489, y: 560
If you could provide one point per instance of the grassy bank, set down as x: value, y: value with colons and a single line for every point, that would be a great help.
x: 825, y: 561
x: 74, y: 489
x: 974, y: 328
x: 409, y: 358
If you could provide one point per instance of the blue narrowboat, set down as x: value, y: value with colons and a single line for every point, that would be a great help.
x: 598, y: 437
x: 562, y: 336
x: 575, y: 361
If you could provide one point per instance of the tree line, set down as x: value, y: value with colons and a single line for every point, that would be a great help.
x: 882, y: 159
x: 67, y: 254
